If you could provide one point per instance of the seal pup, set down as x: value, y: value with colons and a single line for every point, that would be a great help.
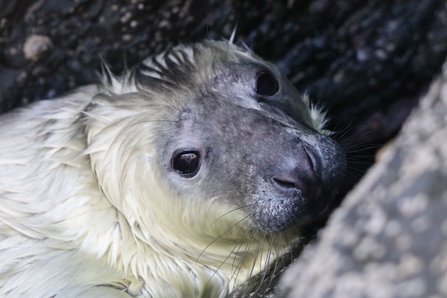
x: 181, y: 178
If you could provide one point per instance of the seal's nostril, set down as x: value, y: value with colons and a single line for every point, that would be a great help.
x: 298, y: 175
x: 292, y: 183
x: 284, y: 184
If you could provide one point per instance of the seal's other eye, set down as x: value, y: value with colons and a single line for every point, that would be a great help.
x: 186, y: 163
x: 266, y: 84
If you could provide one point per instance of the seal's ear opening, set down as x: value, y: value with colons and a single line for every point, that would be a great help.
x: 186, y: 162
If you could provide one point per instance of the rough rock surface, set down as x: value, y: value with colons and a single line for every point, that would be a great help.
x: 389, y: 237
x: 366, y: 62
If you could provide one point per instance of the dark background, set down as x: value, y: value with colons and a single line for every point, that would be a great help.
x: 366, y: 62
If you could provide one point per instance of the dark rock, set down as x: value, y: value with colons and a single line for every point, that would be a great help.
x: 357, y: 59
x: 389, y: 237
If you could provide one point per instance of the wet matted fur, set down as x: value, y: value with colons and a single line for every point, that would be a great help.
x: 181, y: 178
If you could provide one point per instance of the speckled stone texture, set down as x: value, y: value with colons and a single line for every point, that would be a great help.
x: 389, y: 237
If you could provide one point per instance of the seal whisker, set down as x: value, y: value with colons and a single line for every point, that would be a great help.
x: 156, y: 95
x: 258, y: 255
x: 225, y: 214
x: 179, y: 108
x: 236, y: 268
x: 220, y: 236
x: 238, y: 246
x: 266, y: 264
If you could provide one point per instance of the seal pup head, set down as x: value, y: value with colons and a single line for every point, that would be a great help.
x: 211, y: 157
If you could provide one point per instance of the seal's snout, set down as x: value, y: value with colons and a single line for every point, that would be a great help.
x: 300, y: 181
x: 298, y: 176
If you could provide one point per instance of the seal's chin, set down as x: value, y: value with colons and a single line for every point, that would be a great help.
x: 273, y: 214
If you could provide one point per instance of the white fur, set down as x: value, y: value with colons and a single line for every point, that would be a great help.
x: 317, y: 116
x: 84, y: 212
x: 73, y: 214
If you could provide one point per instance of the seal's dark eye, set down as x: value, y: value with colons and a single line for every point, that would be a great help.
x: 186, y: 163
x: 266, y: 84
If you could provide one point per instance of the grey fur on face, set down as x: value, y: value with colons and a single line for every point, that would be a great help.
x: 253, y: 133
